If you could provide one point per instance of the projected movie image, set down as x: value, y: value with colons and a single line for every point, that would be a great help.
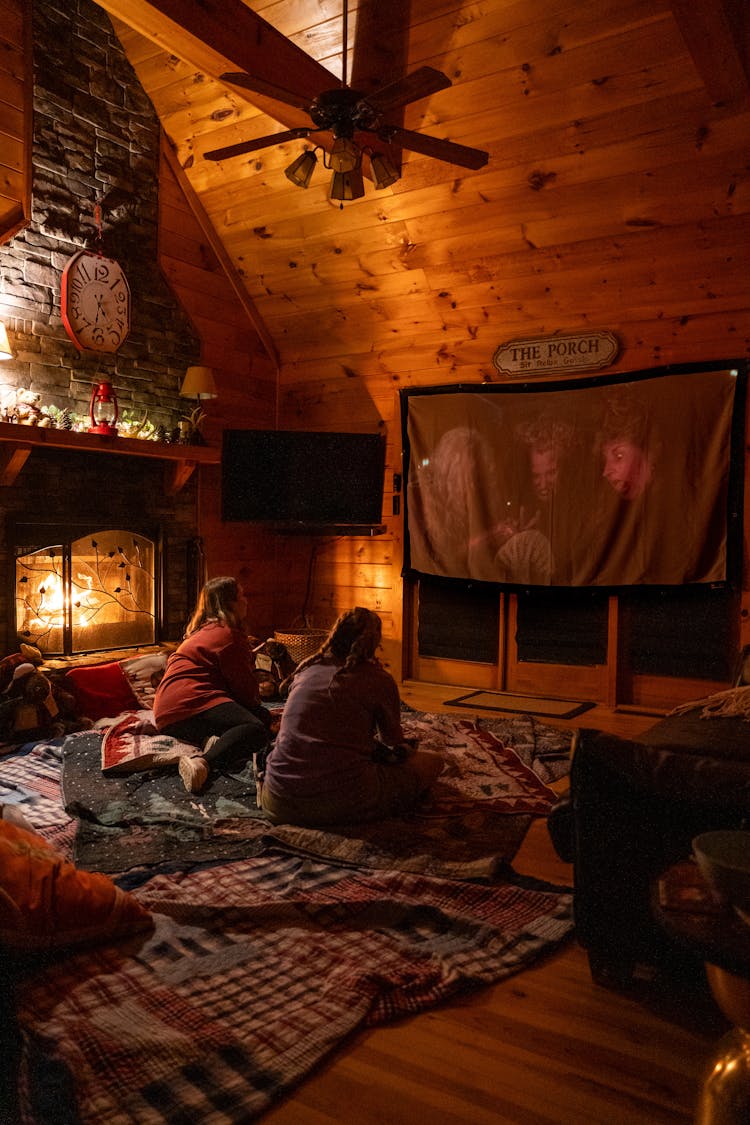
x: 614, y: 484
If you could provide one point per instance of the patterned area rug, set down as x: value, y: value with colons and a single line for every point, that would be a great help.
x: 479, y: 810
x: 494, y: 783
x: 258, y: 968
x: 255, y: 971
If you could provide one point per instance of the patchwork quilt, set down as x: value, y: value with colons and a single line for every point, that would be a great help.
x: 271, y: 945
x: 473, y: 823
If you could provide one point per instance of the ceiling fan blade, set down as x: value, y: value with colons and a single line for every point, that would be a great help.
x: 420, y: 84
x: 268, y: 89
x: 259, y: 142
x: 433, y: 146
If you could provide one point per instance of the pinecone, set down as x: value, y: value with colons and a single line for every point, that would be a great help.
x: 161, y: 433
x: 65, y: 421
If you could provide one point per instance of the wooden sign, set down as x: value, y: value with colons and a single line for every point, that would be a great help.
x: 585, y: 351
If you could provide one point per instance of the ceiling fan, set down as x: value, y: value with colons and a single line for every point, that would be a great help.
x: 344, y: 112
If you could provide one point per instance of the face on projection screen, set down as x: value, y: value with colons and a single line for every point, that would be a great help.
x: 616, y: 483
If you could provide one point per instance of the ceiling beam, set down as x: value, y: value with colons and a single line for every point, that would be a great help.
x: 217, y: 36
x: 717, y: 35
x: 221, y: 36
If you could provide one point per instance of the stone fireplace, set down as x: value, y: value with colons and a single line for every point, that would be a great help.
x: 95, y: 143
x: 134, y: 587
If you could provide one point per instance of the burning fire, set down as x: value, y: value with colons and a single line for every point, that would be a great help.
x: 50, y: 603
x: 94, y: 593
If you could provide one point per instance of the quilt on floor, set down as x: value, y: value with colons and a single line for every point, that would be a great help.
x: 255, y: 971
x: 494, y: 782
x: 30, y: 782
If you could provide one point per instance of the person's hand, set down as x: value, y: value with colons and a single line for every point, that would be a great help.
x: 390, y: 755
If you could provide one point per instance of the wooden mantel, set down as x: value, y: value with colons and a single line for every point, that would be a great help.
x: 179, y: 460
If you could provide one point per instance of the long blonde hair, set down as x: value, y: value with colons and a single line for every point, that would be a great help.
x: 216, y: 602
x: 353, y: 640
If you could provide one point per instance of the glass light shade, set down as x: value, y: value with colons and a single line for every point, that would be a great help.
x: 300, y: 170
x: 5, y: 352
x: 345, y: 155
x: 199, y: 383
x: 383, y: 172
x: 103, y: 410
x: 347, y: 185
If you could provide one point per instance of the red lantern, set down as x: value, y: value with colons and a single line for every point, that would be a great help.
x: 103, y: 411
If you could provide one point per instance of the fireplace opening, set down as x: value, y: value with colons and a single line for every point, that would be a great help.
x: 97, y: 591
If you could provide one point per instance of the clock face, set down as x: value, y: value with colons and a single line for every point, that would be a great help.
x: 95, y: 302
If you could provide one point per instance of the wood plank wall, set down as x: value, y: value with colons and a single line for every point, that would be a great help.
x: 246, y: 384
x: 15, y: 118
x: 367, y: 571
x: 621, y: 203
x: 640, y: 224
x: 616, y: 196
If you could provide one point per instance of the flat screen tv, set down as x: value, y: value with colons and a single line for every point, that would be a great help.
x: 301, y: 480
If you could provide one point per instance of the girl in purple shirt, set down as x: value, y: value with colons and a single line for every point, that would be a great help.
x: 341, y: 720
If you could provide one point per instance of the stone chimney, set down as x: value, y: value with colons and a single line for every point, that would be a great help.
x: 95, y: 142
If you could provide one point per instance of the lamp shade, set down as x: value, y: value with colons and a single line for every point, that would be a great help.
x: 383, y: 172
x: 345, y: 155
x: 300, y: 170
x: 347, y: 185
x: 199, y: 383
x: 5, y: 352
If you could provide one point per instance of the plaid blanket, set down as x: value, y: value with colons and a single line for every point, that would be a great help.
x: 255, y: 971
x: 30, y: 781
x: 260, y: 967
x: 476, y: 817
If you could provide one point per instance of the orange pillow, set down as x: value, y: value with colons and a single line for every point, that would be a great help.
x: 47, y: 903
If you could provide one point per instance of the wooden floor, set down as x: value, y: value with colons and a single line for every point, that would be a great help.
x: 546, y: 1047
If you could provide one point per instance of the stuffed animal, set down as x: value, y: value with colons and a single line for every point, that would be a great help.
x: 273, y: 664
x: 27, y: 654
x: 32, y: 703
x: 27, y: 409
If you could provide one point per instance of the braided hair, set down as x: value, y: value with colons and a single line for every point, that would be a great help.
x: 353, y: 640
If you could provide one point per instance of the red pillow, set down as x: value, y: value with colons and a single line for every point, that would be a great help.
x: 47, y: 903
x: 102, y: 690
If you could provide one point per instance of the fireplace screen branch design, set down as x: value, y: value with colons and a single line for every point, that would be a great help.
x: 96, y: 592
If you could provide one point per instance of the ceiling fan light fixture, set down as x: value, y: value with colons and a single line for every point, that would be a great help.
x: 345, y: 113
x: 383, y: 172
x: 345, y: 155
x: 347, y: 185
x: 300, y: 170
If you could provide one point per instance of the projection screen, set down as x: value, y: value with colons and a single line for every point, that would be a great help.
x: 620, y: 481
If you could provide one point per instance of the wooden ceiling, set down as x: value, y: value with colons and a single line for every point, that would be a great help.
x: 603, y: 119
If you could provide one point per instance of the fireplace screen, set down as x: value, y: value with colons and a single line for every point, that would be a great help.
x: 97, y: 592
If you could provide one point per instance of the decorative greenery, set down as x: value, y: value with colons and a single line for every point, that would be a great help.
x: 24, y: 408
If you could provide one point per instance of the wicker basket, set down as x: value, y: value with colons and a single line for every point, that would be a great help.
x: 301, y: 643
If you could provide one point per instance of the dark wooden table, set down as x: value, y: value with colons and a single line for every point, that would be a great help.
x: 685, y: 907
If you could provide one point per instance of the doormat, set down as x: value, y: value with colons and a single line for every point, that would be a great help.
x: 527, y: 704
